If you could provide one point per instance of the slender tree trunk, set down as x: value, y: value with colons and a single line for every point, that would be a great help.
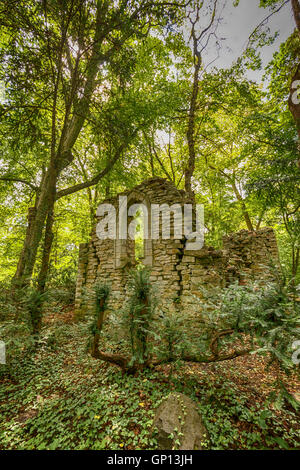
x: 295, y: 260
x: 243, y: 206
x: 143, y: 333
x: 260, y: 219
x: 190, y: 168
x: 21, y: 263
x: 62, y: 157
x: 99, y: 324
x: 44, y: 205
x: 293, y: 98
x: 152, y: 165
x: 294, y: 104
x: 296, y: 11
x: 231, y: 180
x: 197, y: 50
x: 42, y: 277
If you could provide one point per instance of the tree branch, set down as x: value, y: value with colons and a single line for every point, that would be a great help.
x: 264, y: 21
x: 19, y: 180
x: 123, y: 362
x: 95, y: 180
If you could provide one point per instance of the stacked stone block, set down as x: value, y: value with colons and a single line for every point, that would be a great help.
x: 252, y: 255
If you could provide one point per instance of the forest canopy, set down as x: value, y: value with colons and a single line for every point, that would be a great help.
x: 98, y: 96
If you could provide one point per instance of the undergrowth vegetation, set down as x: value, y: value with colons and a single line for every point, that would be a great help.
x: 55, y: 395
x: 60, y: 398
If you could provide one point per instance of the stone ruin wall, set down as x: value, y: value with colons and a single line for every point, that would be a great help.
x: 176, y: 272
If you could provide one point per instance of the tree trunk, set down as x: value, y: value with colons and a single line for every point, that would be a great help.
x: 190, y: 168
x: 296, y: 11
x: 142, y: 336
x: 62, y: 158
x: 44, y: 205
x: 293, y: 98
x: 46, y: 252
x: 60, y: 161
x: 243, y: 206
x: 295, y: 260
x: 197, y: 50
x: 99, y: 324
x: 21, y: 263
x: 294, y: 104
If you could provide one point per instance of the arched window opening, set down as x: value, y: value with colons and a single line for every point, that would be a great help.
x: 137, y: 247
x: 139, y: 238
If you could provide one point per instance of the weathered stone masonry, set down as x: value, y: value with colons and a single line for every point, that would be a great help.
x: 176, y: 272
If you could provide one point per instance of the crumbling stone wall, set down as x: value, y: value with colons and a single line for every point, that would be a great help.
x: 176, y: 272
x: 251, y: 255
x: 111, y: 260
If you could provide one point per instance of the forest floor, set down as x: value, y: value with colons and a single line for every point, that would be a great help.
x: 61, y: 398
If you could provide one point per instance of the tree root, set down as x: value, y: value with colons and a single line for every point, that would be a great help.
x: 127, y: 368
